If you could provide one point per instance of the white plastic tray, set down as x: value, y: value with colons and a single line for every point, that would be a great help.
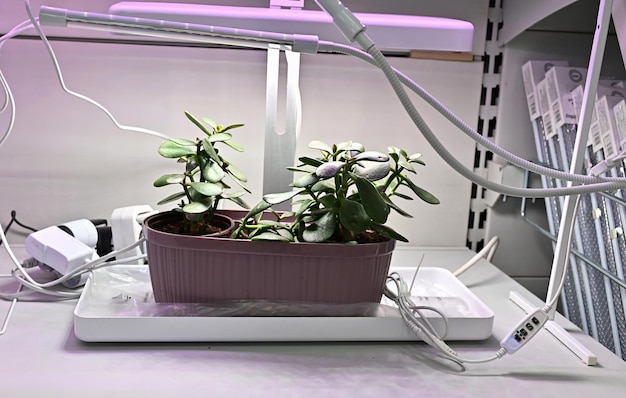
x: 117, y: 306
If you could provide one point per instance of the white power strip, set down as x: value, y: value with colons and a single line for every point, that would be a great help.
x: 126, y: 224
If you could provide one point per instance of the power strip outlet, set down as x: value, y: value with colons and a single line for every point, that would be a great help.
x: 126, y: 225
x: 524, y: 331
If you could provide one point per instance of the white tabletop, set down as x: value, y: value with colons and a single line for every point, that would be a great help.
x: 41, y: 355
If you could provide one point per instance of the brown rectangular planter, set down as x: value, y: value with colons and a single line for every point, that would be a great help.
x: 200, y: 269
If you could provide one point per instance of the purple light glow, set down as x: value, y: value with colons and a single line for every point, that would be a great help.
x: 390, y: 32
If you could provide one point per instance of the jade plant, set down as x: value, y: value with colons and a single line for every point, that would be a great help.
x: 203, y: 181
x: 343, y: 195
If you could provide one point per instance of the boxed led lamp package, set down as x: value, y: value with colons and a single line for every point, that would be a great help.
x: 611, y: 139
x: 594, y: 138
x: 562, y: 80
x: 619, y: 114
x: 533, y: 72
x: 606, y: 87
x: 544, y: 107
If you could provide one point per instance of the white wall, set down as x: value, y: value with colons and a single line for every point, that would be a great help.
x: 65, y: 159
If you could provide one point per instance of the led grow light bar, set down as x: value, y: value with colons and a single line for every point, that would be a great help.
x: 51, y: 16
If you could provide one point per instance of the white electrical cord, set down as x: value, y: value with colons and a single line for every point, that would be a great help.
x: 420, y: 325
x: 488, y: 251
x: 9, y: 100
x: 57, y: 68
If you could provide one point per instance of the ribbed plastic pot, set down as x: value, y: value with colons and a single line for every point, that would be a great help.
x: 204, y: 269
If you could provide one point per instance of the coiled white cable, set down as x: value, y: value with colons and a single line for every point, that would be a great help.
x: 420, y: 325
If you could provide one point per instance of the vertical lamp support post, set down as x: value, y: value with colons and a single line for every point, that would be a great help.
x: 280, y: 147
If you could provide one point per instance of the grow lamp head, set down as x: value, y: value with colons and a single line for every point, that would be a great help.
x: 258, y: 27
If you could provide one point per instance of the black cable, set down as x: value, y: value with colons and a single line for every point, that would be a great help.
x: 15, y: 220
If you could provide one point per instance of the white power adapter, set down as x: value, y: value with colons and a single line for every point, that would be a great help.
x: 60, y: 250
x: 126, y: 227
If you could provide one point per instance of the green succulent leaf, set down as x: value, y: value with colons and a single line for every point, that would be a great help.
x: 408, y: 166
x: 171, y: 198
x: 372, y: 156
x: 232, y: 126
x: 403, y: 196
x: 207, y: 188
x: 320, y: 146
x: 371, y: 199
x: 236, y: 173
x: 330, y: 169
x: 231, y: 195
x: 327, y: 185
x: 353, y: 216
x: 396, y: 207
x: 354, y: 146
x: 168, y: 179
x: 183, y: 142
x: 341, y: 146
x: 270, y: 236
x: 191, y: 162
x: 298, y: 169
x: 304, y: 206
x: 257, y: 209
x: 220, y: 137
x: 212, y: 123
x: 198, y: 123
x: 422, y: 193
x: 372, y: 171
x: 234, y: 145
x: 393, y: 149
x: 210, y: 150
x: 310, y: 161
x: 306, y: 180
x: 212, y: 172
x: 237, y: 200
x: 275, y: 198
x: 196, y: 207
x: 322, y: 229
x: 416, y: 158
x: 388, y: 232
x: 328, y: 200
x: 240, y: 183
x: 172, y: 149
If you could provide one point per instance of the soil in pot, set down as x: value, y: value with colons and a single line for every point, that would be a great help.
x: 174, y: 222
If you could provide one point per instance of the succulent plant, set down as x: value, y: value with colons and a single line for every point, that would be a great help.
x: 343, y: 195
x: 203, y: 179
